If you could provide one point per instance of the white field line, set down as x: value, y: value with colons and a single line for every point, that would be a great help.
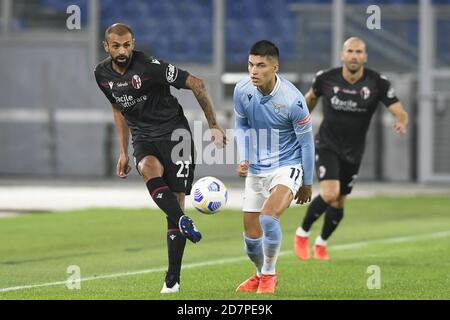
x: 349, y: 246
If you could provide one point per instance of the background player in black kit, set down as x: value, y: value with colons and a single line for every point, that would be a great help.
x: 350, y: 97
x: 138, y: 88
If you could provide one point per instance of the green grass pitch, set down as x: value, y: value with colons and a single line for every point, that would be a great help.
x: 122, y: 254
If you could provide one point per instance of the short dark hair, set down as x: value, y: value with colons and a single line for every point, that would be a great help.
x: 119, y: 29
x: 265, y: 48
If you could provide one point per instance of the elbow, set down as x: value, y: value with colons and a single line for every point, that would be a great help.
x: 200, y: 86
x: 196, y: 84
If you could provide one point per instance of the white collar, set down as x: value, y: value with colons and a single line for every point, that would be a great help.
x: 277, y: 86
x: 275, y: 89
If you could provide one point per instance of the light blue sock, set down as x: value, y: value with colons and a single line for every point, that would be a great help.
x: 254, y: 249
x: 271, y: 242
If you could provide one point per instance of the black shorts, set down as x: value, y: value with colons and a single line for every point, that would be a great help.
x: 330, y: 166
x: 178, y: 167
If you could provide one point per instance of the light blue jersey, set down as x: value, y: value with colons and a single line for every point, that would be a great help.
x: 275, y: 130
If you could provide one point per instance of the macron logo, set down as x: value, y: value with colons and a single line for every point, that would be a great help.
x: 172, y: 236
x: 159, y: 196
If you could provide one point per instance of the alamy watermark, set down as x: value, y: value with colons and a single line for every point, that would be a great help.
x: 374, y: 280
x: 262, y: 146
x: 374, y: 20
x: 74, y: 280
x: 73, y: 21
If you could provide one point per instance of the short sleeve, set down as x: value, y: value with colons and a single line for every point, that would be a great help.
x: 164, y: 73
x: 387, y: 93
x: 317, y: 84
x: 103, y: 84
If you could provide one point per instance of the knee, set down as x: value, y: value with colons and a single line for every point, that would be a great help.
x: 149, y: 170
x: 274, y: 208
x: 329, y: 196
x: 274, y: 211
x: 339, y: 202
x: 253, y: 231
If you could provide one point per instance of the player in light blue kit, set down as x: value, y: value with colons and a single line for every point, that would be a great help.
x: 273, y: 131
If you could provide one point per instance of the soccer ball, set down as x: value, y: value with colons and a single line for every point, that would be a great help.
x: 209, y: 195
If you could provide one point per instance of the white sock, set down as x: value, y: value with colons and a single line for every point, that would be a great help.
x: 302, y: 233
x: 320, y: 242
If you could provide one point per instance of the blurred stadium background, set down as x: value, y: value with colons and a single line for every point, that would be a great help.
x: 58, y: 145
x: 54, y: 122
x: 55, y: 125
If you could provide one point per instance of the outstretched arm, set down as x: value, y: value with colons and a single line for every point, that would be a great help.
x: 201, y: 94
x: 401, y: 118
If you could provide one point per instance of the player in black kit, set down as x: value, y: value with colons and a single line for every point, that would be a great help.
x: 350, y: 97
x: 138, y: 88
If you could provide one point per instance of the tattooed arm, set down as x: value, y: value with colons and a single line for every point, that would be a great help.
x: 201, y: 94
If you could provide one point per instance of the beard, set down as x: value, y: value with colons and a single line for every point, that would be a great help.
x: 121, y: 61
x: 353, y: 69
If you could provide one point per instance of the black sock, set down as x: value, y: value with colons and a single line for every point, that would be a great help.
x: 332, y: 218
x: 175, y: 249
x: 315, y: 210
x: 165, y: 199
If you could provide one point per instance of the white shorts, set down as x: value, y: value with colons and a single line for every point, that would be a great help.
x: 258, y: 186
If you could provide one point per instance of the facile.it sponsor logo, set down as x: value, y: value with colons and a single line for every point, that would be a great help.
x: 127, y: 101
x: 345, y: 105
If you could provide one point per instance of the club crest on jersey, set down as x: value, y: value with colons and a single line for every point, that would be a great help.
x: 136, y: 82
x: 277, y: 107
x: 365, y: 93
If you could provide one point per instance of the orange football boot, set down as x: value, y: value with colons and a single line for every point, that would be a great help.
x: 301, y: 247
x: 321, y: 253
x: 249, y: 285
x: 267, y: 283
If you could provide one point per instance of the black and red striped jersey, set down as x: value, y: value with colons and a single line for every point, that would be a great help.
x: 144, y: 97
x: 348, y: 109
